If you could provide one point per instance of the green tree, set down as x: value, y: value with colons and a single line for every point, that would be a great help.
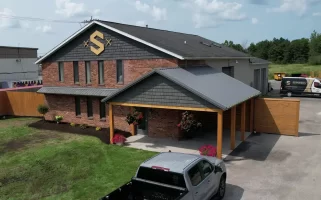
x: 315, y: 48
x: 43, y: 109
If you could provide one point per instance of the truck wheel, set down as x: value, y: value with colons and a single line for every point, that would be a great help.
x: 289, y: 94
x: 221, y: 188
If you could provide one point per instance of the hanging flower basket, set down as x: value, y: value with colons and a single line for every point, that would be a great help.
x: 188, y: 125
x: 134, y: 118
x: 208, y: 150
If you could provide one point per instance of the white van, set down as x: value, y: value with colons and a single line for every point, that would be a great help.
x: 300, y: 86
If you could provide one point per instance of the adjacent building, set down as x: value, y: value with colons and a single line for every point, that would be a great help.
x: 17, y: 65
x: 105, y: 69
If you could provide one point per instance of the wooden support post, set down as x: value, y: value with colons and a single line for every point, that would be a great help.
x: 233, y: 120
x: 111, y: 123
x: 132, y: 126
x: 243, y: 114
x: 252, y: 116
x: 219, y: 134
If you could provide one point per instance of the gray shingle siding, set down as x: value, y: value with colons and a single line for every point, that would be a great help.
x: 121, y: 48
x: 158, y: 90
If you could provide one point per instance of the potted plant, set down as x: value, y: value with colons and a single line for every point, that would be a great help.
x: 58, y: 118
x: 119, y: 139
x: 188, y: 125
x: 208, y: 150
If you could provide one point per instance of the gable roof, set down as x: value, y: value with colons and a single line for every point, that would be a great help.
x: 258, y: 61
x: 179, y: 45
x: 215, y: 87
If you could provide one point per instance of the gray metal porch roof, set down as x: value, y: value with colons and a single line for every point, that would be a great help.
x: 77, y: 91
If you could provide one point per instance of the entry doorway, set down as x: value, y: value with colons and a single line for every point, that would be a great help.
x: 142, y: 128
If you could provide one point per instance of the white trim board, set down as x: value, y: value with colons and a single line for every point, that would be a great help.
x: 112, y: 29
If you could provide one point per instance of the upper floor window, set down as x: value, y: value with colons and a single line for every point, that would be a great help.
x: 76, y: 72
x: 61, y: 71
x: 88, y: 72
x: 101, y: 72
x: 120, y: 71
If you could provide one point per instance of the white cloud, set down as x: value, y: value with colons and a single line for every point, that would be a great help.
x: 6, y: 20
x: 44, y: 29
x: 68, y: 8
x: 297, y: 6
x: 255, y: 20
x: 157, y: 13
x: 211, y: 13
x: 140, y: 23
x: 316, y: 14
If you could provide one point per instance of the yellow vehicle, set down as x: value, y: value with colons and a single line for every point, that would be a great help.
x: 279, y: 76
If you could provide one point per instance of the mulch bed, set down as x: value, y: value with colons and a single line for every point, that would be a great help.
x: 103, y: 134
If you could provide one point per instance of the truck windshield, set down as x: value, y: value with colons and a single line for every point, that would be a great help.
x: 166, y: 177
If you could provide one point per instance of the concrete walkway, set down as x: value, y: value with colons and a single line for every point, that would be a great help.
x: 185, y: 146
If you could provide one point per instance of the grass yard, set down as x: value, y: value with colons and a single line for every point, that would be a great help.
x: 38, y: 164
x: 294, y: 68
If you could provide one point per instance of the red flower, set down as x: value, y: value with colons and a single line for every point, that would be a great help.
x: 207, y: 150
x: 178, y: 125
x: 118, y: 138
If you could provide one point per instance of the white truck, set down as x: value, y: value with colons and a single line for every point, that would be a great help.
x: 175, y: 176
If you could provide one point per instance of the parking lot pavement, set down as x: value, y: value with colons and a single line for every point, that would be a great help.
x: 272, y: 167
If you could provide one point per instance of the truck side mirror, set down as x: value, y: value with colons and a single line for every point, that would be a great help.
x: 217, y: 169
x: 317, y: 85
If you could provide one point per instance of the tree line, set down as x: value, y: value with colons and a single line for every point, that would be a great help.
x: 284, y: 51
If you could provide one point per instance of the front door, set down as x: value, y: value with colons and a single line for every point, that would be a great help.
x: 142, y: 128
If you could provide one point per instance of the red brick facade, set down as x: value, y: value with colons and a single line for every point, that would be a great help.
x: 162, y: 124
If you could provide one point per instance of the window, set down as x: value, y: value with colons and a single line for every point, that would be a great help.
x: 89, y: 107
x: 120, y: 71
x: 76, y: 72
x: 228, y: 71
x: 77, y: 103
x: 61, y: 71
x: 195, y: 175
x: 102, y: 110
x: 101, y: 72
x: 206, y: 167
x: 88, y: 72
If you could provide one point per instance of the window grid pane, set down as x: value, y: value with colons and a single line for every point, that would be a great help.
x: 89, y: 107
x: 76, y: 72
x: 120, y: 73
x: 102, y: 110
x: 88, y: 72
x: 77, y: 103
x: 61, y: 71
x: 101, y: 72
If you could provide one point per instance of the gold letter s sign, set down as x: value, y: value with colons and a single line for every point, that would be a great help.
x: 96, y: 42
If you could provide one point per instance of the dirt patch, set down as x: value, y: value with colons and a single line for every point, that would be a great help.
x: 15, y: 145
x: 103, y: 134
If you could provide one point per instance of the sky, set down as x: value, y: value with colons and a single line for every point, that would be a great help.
x: 43, y: 24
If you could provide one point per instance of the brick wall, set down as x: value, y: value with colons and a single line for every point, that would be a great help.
x: 163, y: 123
x: 133, y: 69
x: 65, y: 106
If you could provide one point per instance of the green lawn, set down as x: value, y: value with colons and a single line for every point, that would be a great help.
x: 36, y: 164
x: 294, y: 68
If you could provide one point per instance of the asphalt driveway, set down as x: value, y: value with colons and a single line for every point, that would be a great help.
x: 271, y: 167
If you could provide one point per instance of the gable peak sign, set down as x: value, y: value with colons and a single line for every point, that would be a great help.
x: 98, y: 46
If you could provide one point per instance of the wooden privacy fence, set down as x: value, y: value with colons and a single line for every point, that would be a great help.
x: 20, y: 103
x: 280, y: 116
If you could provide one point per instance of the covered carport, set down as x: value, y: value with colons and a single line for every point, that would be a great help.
x: 195, y: 88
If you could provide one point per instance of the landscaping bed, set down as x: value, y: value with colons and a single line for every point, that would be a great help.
x: 102, y: 134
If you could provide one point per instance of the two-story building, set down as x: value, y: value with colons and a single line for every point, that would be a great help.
x: 162, y: 72
x: 17, y: 66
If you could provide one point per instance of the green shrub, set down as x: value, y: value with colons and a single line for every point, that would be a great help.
x: 43, y: 109
x: 72, y: 124
x: 98, y: 128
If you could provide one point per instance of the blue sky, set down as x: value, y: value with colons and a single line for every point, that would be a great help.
x: 243, y: 21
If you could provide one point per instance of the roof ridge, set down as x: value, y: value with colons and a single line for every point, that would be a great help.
x: 147, y: 27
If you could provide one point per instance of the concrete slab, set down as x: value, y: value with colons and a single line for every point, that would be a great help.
x: 185, y: 146
x: 274, y: 167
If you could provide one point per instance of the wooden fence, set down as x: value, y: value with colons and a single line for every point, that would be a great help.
x: 20, y: 103
x: 280, y: 116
